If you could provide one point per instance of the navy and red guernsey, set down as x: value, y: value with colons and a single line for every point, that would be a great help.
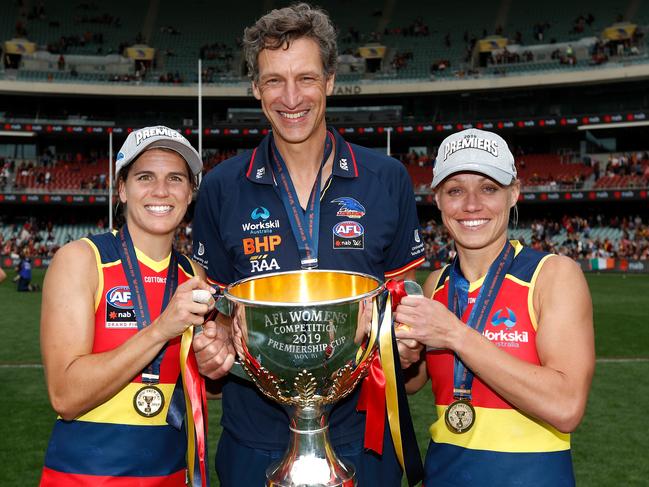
x: 505, y: 446
x: 112, y: 444
x: 368, y: 224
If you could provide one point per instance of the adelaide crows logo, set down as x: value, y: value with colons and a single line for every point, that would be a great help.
x: 499, y: 318
x: 349, y: 207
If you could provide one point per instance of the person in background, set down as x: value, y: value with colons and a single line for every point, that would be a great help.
x: 24, y: 272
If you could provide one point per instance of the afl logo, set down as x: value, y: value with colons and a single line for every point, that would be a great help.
x: 349, y: 229
x: 120, y: 297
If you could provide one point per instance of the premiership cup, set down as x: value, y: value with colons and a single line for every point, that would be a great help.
x: 306, y: 339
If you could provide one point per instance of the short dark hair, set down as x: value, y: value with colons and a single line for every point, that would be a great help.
x: 279, y: 27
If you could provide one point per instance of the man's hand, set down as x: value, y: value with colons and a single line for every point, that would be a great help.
x: 409, y: 351
x: 213, y: 348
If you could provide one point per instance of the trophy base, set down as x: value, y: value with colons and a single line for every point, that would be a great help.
x: 309, y: 472
x: 310, y: 460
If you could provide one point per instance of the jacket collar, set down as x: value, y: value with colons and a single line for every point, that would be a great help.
x: 344, y: 165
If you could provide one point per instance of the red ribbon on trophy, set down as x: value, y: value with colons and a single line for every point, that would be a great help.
x: 383, y: 393
x: 196, y: 411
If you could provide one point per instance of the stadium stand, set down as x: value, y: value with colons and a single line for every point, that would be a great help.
x: 536, y: 171
x: 80, y: 38
x: 574, y: 236
x: 82, y: 174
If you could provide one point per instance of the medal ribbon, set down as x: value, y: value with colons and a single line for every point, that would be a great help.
x: 304, y: 223
x: 458, y: 298
x: 193, y: 384
x: 126, y: 249
x: 383, y: 390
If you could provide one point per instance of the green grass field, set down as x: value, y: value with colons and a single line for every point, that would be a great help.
x: 609, y: 448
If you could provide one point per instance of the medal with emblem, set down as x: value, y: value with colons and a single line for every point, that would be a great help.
x: 149, y: 401
x: 460, y: 416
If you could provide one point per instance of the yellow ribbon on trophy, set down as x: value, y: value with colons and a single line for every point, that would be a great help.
x: 195, y: 412
x: 383, y: 389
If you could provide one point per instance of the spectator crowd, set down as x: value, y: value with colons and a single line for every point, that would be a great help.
x: 577, y: 237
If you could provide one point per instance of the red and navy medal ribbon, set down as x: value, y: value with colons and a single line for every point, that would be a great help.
x: 458, y: 299
x: 189, y: 399
x: 304, y: 223
x: 131, y: 266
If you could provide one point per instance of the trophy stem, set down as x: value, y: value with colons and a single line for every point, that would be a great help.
x: 310, y: 459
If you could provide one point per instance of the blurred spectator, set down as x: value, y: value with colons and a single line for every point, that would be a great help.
x: 24, y: 273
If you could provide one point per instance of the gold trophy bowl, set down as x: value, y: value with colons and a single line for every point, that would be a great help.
x: 306, y: 339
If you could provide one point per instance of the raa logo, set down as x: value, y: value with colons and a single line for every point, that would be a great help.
x: 509, y: 320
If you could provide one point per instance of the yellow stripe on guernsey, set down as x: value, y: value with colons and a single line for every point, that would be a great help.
x: 503, y: 430
x: 100, y: 274
x: 530, y: 296
x: 157, y: 266
x: 120, y: 410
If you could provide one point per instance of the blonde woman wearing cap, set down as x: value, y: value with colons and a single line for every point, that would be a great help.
x: 114, y: 308
x: 508, y: 333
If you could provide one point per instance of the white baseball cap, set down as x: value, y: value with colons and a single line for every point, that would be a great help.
x: 157, y: 137
x: 474, y: 150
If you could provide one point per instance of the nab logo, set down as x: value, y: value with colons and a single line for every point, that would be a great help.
x: 343, y: 165
x: 120, y: 297
x: 349, y: 229
x: 260, y: 212
x: 260, y: 173
x: 509, y: 320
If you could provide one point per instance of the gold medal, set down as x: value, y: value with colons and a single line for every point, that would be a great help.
x: 460, y: 416
x: 149, y: 401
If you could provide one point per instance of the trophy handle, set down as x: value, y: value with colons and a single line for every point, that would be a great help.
x: 224, y: 306
x: 413, y: 288
x: 237, y: 370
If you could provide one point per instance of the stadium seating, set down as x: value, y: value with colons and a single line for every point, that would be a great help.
x: 539, y: 169
x: 62, y: 233
x: 422, y: 35
x: 619, y: 182
x: 66, y: 176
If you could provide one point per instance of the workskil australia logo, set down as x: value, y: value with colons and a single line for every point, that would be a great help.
x: 260, y: 224
x: 506, y: 336
x: 260, y: 212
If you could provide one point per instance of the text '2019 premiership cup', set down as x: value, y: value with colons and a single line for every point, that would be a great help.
x: 306, y: 339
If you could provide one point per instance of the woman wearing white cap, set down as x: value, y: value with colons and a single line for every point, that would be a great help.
x: 508, y: 333
x: 114, y: 309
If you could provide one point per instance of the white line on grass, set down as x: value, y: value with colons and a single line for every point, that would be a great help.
x: 21, y: 366
x: 621, y: 360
